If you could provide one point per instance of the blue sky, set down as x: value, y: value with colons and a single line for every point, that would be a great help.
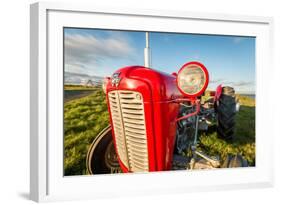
x: 230, y: 60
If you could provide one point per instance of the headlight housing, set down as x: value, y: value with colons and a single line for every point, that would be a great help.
x: 192, y: 79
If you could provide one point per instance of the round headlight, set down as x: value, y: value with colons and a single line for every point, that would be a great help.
x: 192, y: 79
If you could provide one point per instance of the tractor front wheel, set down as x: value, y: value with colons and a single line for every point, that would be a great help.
x: 101, y: 157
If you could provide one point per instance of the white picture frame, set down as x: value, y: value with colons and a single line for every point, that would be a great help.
x: 47, y: 182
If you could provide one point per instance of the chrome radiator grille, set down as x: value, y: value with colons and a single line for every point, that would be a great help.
x: 127, y: 112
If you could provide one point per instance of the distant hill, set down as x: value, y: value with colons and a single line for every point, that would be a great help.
x: 81, y: 79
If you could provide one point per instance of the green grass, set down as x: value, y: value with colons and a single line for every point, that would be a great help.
x: 244, y: 141
x: 84, y: 118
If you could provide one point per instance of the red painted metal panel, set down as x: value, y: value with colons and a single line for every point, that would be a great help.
x: 159, y: 90
x: 161, y: 98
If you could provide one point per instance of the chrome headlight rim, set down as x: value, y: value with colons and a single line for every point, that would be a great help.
x: 206, y: 77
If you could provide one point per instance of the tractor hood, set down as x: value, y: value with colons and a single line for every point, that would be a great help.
x: 162, y: 86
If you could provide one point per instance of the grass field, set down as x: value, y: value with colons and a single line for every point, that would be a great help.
x: 85, y: 117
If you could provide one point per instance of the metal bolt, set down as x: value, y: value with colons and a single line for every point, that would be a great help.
x: 138, y: 96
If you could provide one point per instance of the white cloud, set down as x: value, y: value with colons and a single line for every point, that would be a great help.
x: 232, y: 83
x: 239, y: 86
x: 84, y: 52
x: 238, y: 39
x: 216, y: 81
x: 243, y: 83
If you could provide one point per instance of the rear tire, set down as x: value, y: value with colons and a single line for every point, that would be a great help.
x: 226, y: 110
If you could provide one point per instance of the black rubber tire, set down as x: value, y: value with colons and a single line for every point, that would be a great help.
x: 96, y: 162
x: 226, y: 110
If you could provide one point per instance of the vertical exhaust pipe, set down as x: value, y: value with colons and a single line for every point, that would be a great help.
x: 147, y: 57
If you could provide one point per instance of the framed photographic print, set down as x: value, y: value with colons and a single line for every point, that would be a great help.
x: 128, y: 102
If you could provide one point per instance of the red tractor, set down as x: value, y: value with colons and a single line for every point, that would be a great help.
x: 155, y: 118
